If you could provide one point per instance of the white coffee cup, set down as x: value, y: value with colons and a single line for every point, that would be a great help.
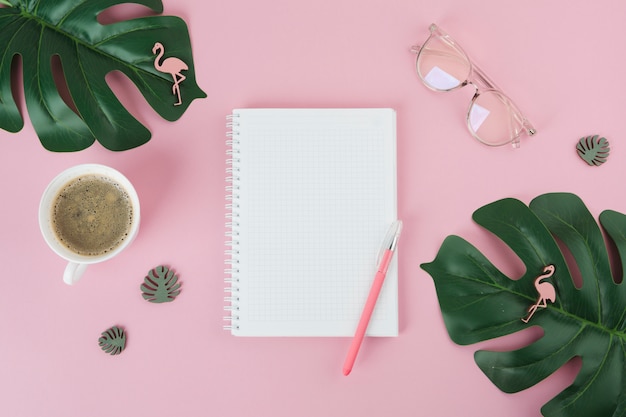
x: 77, y: 263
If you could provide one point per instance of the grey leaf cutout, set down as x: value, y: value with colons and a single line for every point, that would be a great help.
x: 594, y: 150
x: 161, y: 285
x: 113, y: 340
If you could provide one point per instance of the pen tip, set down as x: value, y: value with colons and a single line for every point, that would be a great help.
x: 346, y: 371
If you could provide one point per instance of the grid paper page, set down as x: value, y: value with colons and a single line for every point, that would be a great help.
x: 316, y: 195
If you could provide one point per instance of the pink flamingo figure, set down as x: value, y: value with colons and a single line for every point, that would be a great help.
x: 546, y: 292
x: 172, y: 66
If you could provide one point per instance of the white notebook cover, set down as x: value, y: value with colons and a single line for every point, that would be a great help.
x: 312, y: 193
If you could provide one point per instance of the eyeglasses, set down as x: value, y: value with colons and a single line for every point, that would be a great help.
x: 492, y: 117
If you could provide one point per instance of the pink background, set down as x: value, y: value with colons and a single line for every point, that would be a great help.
x: 563, y: 64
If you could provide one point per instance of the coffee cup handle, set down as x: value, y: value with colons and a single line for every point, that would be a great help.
x: 73, y: 272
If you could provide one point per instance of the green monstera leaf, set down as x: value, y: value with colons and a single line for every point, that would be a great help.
x: 478, y: 302
x: 42, y: 31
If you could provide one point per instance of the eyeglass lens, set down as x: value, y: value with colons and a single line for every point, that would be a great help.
x: 492, y: 119
x: 443, y: 66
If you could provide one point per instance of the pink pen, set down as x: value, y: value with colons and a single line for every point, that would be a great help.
x: 384, y: 259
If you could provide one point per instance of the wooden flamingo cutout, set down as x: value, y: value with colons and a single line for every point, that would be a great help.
x: 172, y: 66
x: 546, y: 292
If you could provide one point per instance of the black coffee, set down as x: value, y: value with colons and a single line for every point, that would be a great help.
x: 92, y: 215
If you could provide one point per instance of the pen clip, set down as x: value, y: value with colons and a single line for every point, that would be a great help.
x: 391, y: 239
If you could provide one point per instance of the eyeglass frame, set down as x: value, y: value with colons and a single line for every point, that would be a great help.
x: 477, y: 78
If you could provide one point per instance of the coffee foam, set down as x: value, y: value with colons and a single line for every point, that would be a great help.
x: 92, y: 215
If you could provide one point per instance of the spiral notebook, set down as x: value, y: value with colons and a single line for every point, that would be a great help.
x: 311, y: 194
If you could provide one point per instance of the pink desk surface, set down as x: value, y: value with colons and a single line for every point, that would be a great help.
x: 562, y: 63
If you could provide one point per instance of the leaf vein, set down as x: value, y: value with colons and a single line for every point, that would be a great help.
x: 569, y: 342
x: 6, y: 50
x: 588, y: 247
x: 584, y: 388
x: 68, y: 13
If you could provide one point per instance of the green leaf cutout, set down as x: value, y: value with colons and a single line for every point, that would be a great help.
x: 478, y: 302
x: 113, y: 340
x: 594, y: 150
x: 160, y: 286
x: 39, y: 30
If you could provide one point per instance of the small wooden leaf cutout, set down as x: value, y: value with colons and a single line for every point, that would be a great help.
x: 160, y: 286
x: 113, y: 340
x: 594, y: 150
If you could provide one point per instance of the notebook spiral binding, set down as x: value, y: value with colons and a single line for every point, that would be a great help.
x: 232, y: 224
